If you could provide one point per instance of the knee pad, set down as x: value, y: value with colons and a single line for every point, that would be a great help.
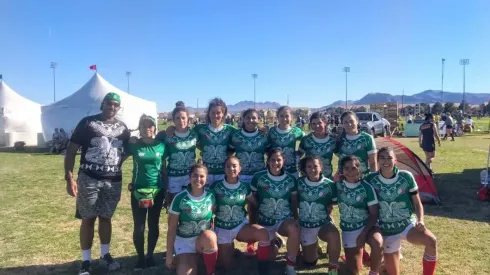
x: 310, y: 264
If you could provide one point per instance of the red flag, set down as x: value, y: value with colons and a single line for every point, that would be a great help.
x: 93, y: 67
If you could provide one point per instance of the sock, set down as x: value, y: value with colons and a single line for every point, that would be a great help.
x: 429, y: 265
x: 104, y: 249
x: 210, y: 257
x: 263, y: 251
x: 250, y: 247
x: 365, y: 256
x: 291, y: 261
x: 87, y: 255
x: 373, y: 272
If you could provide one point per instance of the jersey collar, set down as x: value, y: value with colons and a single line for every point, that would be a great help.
x: 231, y: 186
x: 276, y: 178
x: 352, y: 137
x: 388, y: 181
x: 320, y: 140
x: 281, y: 131
x: 351, y: 185
x: 314, y: 183
x: 215, y: 130
x: 200, y: 198
x: 252, y: 134
x: 182, y: 135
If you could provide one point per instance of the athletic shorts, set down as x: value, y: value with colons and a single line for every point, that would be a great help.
x: 246, y: 178
x: 96, y: 198
x: 309, y: 236
x: 393, y: 243
x: 212, y: 178
x: 177, y: 184
x: 227, y: 236
x: 349, y: 238
x: 429, y: 147
x: 185, y: 245
x: 272, y: 229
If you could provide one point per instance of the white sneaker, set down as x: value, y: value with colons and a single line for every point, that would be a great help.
x: 110, y: 263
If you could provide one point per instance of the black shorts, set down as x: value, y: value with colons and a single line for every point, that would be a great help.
x: 429, y: 148
x: 449, y: 126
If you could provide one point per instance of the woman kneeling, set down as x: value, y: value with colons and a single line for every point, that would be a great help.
x: 189, y: 231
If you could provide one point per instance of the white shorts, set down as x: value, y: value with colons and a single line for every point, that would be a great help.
x: 309, y: 236
x: 185, y: 245
x: 177, y: 184
x: 246, y: 178
x: 392, y: 244
x: 272, y: 229
x: 227, y: 236
x: 349, y: 238
x: 212, y: 178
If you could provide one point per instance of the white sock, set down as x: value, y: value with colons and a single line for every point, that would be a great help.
x: 87, y: 255
x: 104, y: 249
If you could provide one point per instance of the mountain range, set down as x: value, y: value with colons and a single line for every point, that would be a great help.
x: 241, y: 106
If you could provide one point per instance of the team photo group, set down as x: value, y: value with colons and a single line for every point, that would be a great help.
x: 250, y: 184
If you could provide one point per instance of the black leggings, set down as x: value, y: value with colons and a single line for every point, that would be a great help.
x: 139, y: 218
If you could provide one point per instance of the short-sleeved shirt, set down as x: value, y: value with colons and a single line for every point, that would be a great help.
x: 274, y: 196
x: 250, y: 149
x: 427, y: 130
x: 395, y: 200
x: 286, y: 141
x: 361, y: 145
x: 195, y: 213
x: 354, y: 200
x: 314, y: 199
x: 213, y: 144
x: 230, y: 202
x: 103, y: 144
x: 180, y: 152
x: 322, y: 147
x: 147, y: 162
x: 449, y: 121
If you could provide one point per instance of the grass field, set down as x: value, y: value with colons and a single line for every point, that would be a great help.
x: 39, y: 235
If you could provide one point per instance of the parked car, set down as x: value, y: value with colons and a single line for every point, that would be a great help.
x: 373, y: 124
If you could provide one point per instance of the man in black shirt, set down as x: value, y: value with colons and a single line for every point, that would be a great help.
x: 98, y: 186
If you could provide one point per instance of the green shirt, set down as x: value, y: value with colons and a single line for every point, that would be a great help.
x: 213, y: 144
x: 147, y: 161
x: 395, y: 201
x: 180, y: 152
x: 274, y: 196
x: 324, y: 148
x: 354, y: 200
x: 231, y: 201
x: 314, y: 199
x: 194, y: 213
x: 250, y: 149
x: 286, y: 141
x: 361, y: 145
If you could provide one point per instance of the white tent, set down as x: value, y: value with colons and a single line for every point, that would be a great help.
x: 20, y: 118
x: 67, y: 112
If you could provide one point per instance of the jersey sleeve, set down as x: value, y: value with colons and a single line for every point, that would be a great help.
x: 254, y: 183
x: 175, y: 206
x: 231, y: 144
x: 371, y: 145
x: 293, y: 189
x: 412, y: 184
x: 78, y: 136
x: 333, y: 187
x: 302, y: 145
x: 372, y: 199
x: 161, y: 136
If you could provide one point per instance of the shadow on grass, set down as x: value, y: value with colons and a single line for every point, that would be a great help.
x: 243, y: 266
x: 458, y: 197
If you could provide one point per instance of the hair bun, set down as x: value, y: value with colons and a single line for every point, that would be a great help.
x: 179, y: 104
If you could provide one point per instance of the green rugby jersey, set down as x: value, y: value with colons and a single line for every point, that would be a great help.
x: 322, y: 147
x: 286, y: 141
x: 314, y: 199
x: 180, y: 152
x: 195, y: 213
x: 147, y: 162
x: 250, y: 149
x: 395, y: 201
x: 354, y: 200
x: 213, y: 144
x: 274, y: 196
x: 361, y: 145
x: 230, y: 203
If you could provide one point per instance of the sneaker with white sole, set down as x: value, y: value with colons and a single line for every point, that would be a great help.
x: 84, y: 268
x: 110, y: 263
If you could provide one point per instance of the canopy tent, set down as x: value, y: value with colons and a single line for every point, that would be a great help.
x: 408, y: 160
x: 67, y: 112
x: 20, y: 118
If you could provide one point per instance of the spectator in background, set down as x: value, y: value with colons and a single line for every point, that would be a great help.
x: 448, y: 122
x: 409, y: 118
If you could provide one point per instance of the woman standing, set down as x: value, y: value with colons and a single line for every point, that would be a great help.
x: 231, y: 221
x: 146, y: 190
x: 399, y: 201
x: 427, y: 136
x: 319, y: 143
x: 315, y: 197
x: 189, y: 224
x: 358, y: 207
x: 284, y: 137
x: 275, y: 194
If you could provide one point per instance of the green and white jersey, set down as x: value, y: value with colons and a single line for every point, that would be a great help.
x: 230, y: 202
x: 195, y: 213
x: 274, y: 196
x: 395, y: 200
x: 322, y: 147
x: 314, y: 199
x: 213, y: 144
x: 286, y: 141
x: 361, y: 145
x: 180, y: 153
x: 354, y: 200
x: 250, y: 149
x: 147, y: 161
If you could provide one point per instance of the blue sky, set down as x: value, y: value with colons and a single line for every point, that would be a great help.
x: 184, y: 50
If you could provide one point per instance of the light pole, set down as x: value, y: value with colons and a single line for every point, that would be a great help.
x: 464, y: 62
x: 53, y: 66
x: 346, y: 70
x: 254, y: 76
x: 442, y: 81
x: 128, y: 74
